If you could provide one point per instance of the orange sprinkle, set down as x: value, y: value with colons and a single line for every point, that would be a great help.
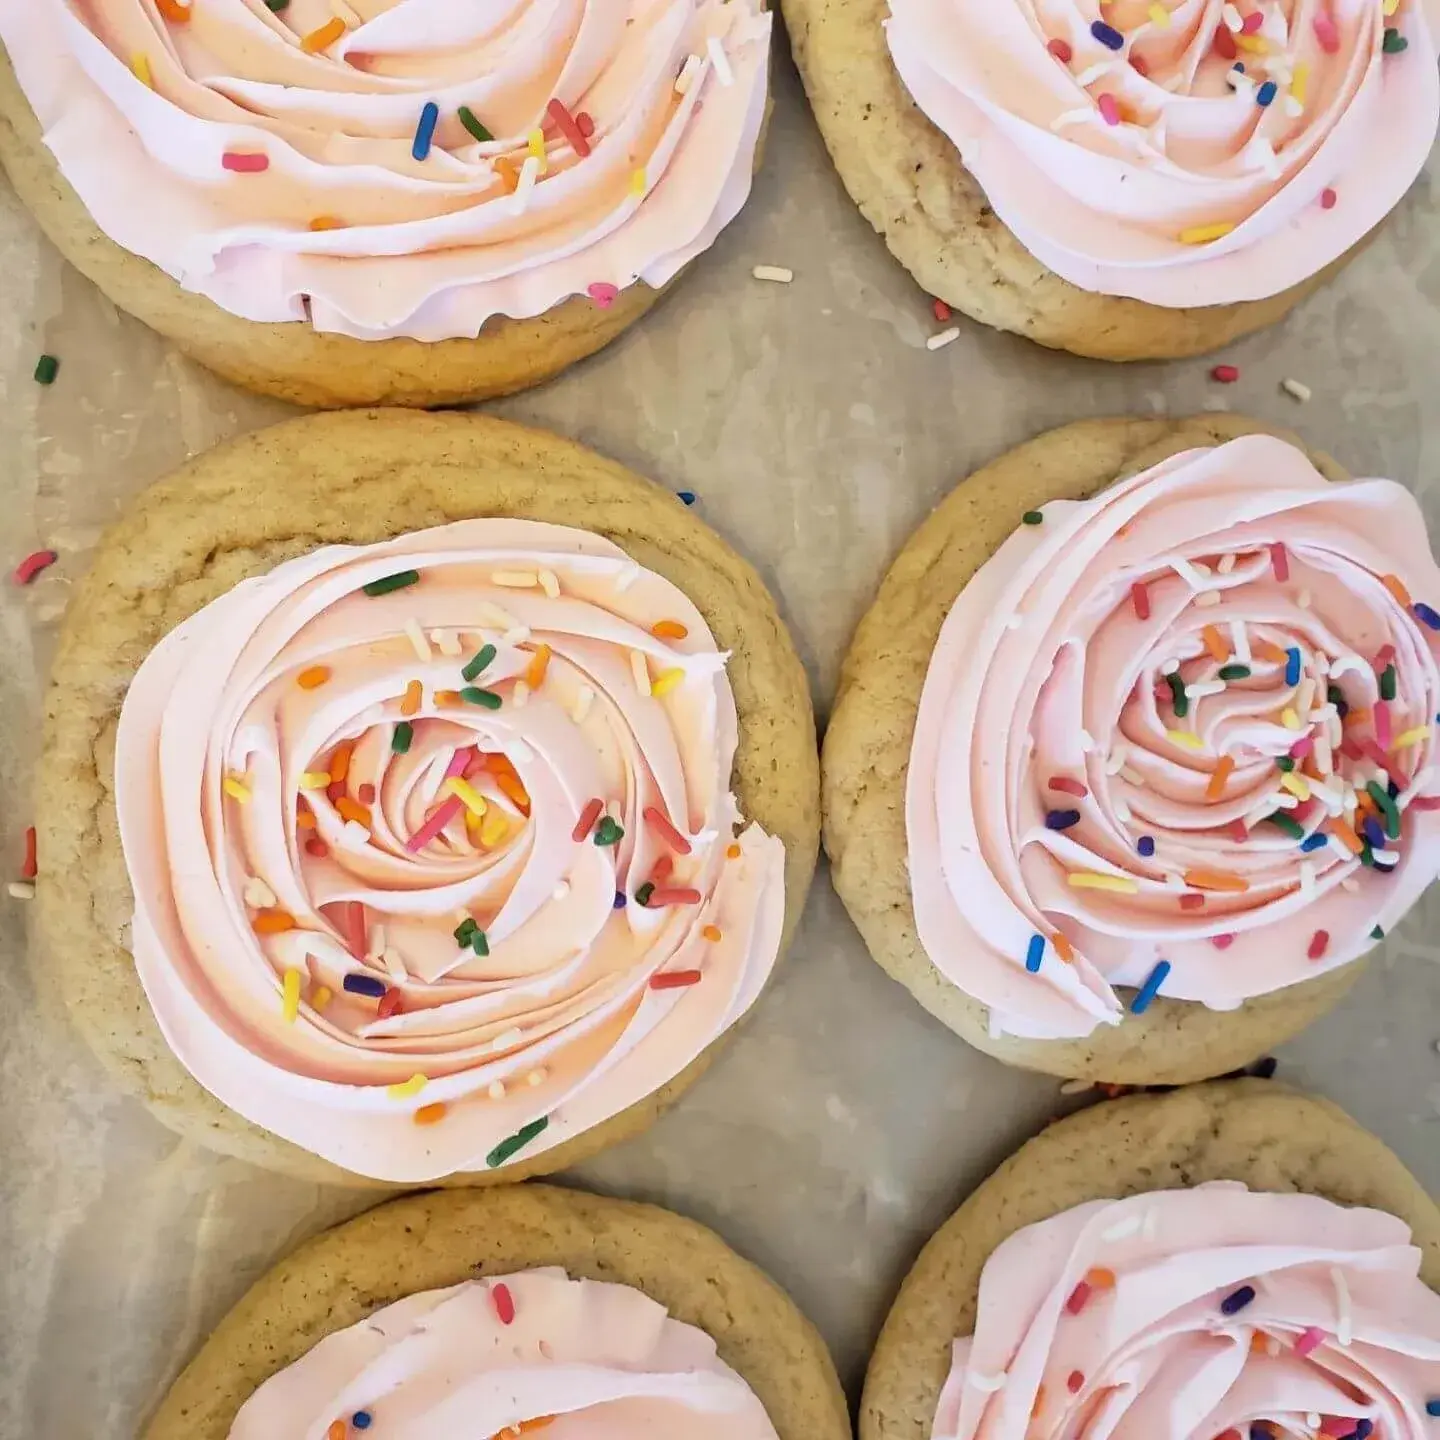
x: 1269, y: 650
x: 1221, y: 773
x: 512, y: 789
x: 1039, y: 1404
x: 1214, y: 644
x: 1348, y: 838
x: 313, y: 678
x: 447, y: 697
x: 1396, y: 586
x: 711, y: 933
x: 535, y: 671
x: 1259, y: 1341
x: 324, y: 37
x: 1063, y: 948
x: 668, y: 630
x: 273, y: 922
x: 1100, y: 1278
x: 411, y: 702
x: 349, y: 809
x: 430, y: 1114
x: 174, y: 10
x: 1214, y: 880
x: 304, y: 819
x: 327, y: 222
x: 732, y: 852
x: 507, y: 172
x: 340, y: 761
x: 522, y: 1427
x: 337, y: 1430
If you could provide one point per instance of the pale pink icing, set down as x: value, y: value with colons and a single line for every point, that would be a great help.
x: 1104, y: 205
x: 1155, y: 1355
x: 560, y: 1020
x: 432, y: 248
x: 604, y: 1360
x: 1044, y: 669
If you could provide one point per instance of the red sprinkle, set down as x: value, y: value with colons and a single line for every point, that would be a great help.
x: 1326, y: 33
x: 1337, y: 1425
x: 1328, y: 197
x: 1109, y: 109
x: 1302, y: 809
x: 1280, y: 561
x: 32, y: 565
x: 1061, y: 50
x: 1222, y: 942
x: 1319, y: 943
x: 603, y: 294
x: 1192, y: 902
x: 1302, y: 747
x: 674, y: 979
x: 29, y: 867
x: 672, y: 896
x: 355, y: 929
x: 667, y: 832
x: 942, y: 311
x: 588, y: 816
x: 1424, y: 802
x: 1238, y: 833
x: 1066, y: 786
x: 1375, y: 753
x: 1138, y: 64
x: 503, y: 1301
x: 1140, y: 599
x: 1251, y: 23
x: 317, y: 847
x: 565, y: 124
x: 1225, y: 374
x: 1350, y: 750
x: 366, y: 794
x: 1079, y: 1298
x: 1225, y: 46
x: 1383, y: 656
x: 1074, y: 1382
x: 246, y: 163
x: 390, y: 1003
x: 586, y: 124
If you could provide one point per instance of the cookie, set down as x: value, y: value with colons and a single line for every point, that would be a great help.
x: 241, y: 510
x: 1268, y: 1137
x: 444, y: 1239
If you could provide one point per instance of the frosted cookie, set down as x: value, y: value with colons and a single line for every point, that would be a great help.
x: 462, y: 797
x: 405, y: 204
x: 1124, y: 778
x: 1227, y: 1261
x: 504, y: 1312
x: 1136, y: 181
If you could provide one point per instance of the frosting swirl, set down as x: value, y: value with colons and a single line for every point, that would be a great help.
x: 433, y: 862
x: 598, y: 1359
x: 1190, y: 153
x: 1199, y: 1313
x: 1179, y: 737
x: 413, y: 173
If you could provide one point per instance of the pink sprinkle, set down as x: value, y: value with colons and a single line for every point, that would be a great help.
x: 1224, y: 43
x: 1372, y: 751
x: 1079, y: 1299
x: 1350, y: 749
x: 1424, y: 802
x: 1280, y: 561
x: 460, y: 762
x: 1061, y: 51
x: 1302, y: 810
x: 504, y: 1302
x: 1140, y: 599
x: 1251, y: 23
x: 1109, y: 110
x: 32, y: 565
x: 1066, y: 786
x: 1302, y: 747
x: 1310, y: 1339
x: 1383, y: 656
x: 1381, y: 711
x: 1238, y: 833
x: 1319, y: 943
x: 1326, y: 33
x: 1222, y: 942
x: 446, y: 812
x: 1225, y: 374
x: 246, y: 163
x: 603, y: 294
x: 1337, y: 1425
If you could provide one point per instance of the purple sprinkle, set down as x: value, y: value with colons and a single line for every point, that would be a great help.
x: 1237, y: 1300
x: 1061, y: 819
x: 619, y: 900
x: 1146, y: 845
x: 1373, y: 833
x: 1107, y: 35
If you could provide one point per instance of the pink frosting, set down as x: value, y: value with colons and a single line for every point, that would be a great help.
x: 1052, y: 673
x: 567, y: 1009
x: 580, y: 1359
x: 1105, y: 203
x: 433, y: 247
x: 1109, y: 1320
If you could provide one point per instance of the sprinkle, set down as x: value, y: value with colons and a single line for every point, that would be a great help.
x: 1107, y: 35
x: 1066, y: 786
x: 1413, y: 736
x: 1035, y: 953
x: 1225, y: 374
x: 273, y: 922
x: 1289, y: 719
x: 1347, y: 837
x: 236, y: 789
x: 1394, y: 42
x: 478, y: 662
x: 776, y: 274
x: 522, y: 1137
x: 1432, y: 1406
x: 1060, y: 50
x: 1215, y: 788
x: 468, y: 120
x: 1079, y: 1298
x: 1222, y: 942
x: 539, y: 664
x: 675, y: 980
x: 1234, y: 672
x: 29, y: 868
x: 1214, y: 643
x: 637, y: 182
x: 358, y: 984
x: 1310, y: 1339
x: 1092, y: 880
x: 535, y: 144
x: 1179, y: 700
x: 431, y: 1114
x: 336, y: 1430
x: 732, y: 852
x: 520, y: 196
x: 608, y: 832
x: 1140, y: 601
x: 667, y: 832
x: 1146, y: 846
x: 1061, y: 819
x: 425, y: 130
x: 588, y: 816
x: 1425, y: 615
x: 1326, y: 32
x: 388, y: 583
x: 290, y: 997
x: 1296, y: 785
x: 503, y: 1302
x: 413, y: 1086
x: 1204, y: 234
x: 1185, y: 738
x: 361, y: 1419
x: 324, y: 37
x: 721, y: 62
x: 666, y: 681
x: 1224, y: 43
x: 1381, y: 796
x: 566, y: 125
x: 673, y: 895
x: 1266, y: 94
x: 1150, y: 989
x: 944, y: 338
x: 1215, y: 880
x: 1296, y: 389
x: 1108, y: 107
x: 1159, y: 17
x: 486, y: 699
x: 604, y: 295
x: 1237, y: 1300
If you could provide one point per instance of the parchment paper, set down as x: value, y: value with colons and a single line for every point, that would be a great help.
x: 816, y: 429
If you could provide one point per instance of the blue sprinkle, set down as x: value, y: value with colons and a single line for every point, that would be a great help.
x: 1425, y: 615
x: 1237, y: 1300
x: 619, y: 899
x: 1313, y: 842
x: 1259, y: 1431
x: 1363, y: 1429
x: 1373, y: 833
x: 358, y: 984
x: 1292, y: 666
x: 1150, y: 989
x: 1432, y: 1406
x: 1107, y: 35
x: 361, y: 1419
x: 424, y: 134
x: 686, y: 497
x: 1035, y: 954
x: 1061, y: 819
x: 1266, y: 93
x: 1146, y: 845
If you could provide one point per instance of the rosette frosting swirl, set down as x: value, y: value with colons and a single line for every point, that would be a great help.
x: 400, y: 167
x: 432, y: 845
x: 1179, y: 737
x: 1192, y: 153
x: 581, y: 1359
x: 1200, y: 1313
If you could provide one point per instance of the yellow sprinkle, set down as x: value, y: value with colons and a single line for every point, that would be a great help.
x: 236, y: 789
x: 1296, y: 785
x: 469, y: 796
x: 1407, y: 738
x: 140, y: 64
x: 473, y: 823
x: 1253, y: 43
x: 413, y: 1086
x: 314, y: 779
x: 321, y: 998
x: 1091, y: 880
x: 1204, y: 234
x: 290, y: 1000
x: 495, y: 828
x: 667, y: 680
x: 535, y: 140
x: 1391, y: 6
x: 515, y: 579
x: 1159, y: 17
x: 1301, y: 77
x: 1289, y: 719
x: 637, y: 183
x: 1185, y: 738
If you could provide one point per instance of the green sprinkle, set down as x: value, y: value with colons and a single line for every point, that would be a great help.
x: 1179, y: 701
x: 468, y: 120
x: 277, y: 5
x: 386, y: 583
x: 1032, y: 517
x: 464, y: 930
x: 1366, y: 856
x: 47, y: 367
x: 1394, y: 42
x: 478, y: 661
x: 1292, y: 828
x: 473, y: 695
x: 401, y: 737
x: 1377, y: 933
x: 1234, y: 672
x: 1381, y: 796
x: 1334, y: 694
x: 518, y: 1141
x: 1285, y: 763
x: 608, y: 832
x: 479, y: 942
x: 643, y: 894
x: 1387, y: 683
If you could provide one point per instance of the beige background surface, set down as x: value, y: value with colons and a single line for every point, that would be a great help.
x: 844, y: 1124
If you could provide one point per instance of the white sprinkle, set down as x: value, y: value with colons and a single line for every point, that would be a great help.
x: 1293, y: 108
x: 1208, y: 597
x: 1199, y: 689
x: 1313, y: 1419
x: 535, y: 1077
x: 515, y: 579
x: 560, y: 891
x: 1350, y: 885
x: 1307, y: 880
x: 1122, y: 1229
x: 1232, y: 17
x: 640, y: 669
x: 258, y: 895
x: 506, y: 1040
x: 1197, y: 577
x: 776, y: 273
x: 1086, y: 78
x: 518, y: 636
x: 1066, y: 118
x: 627, y: 577
x: 1330, y: 798
x: 354, y: 836
x: 1345, y: 1320
x: 686, y: 78
x: 1385, y: 857
x: 1014, y: 622
x: 519, y: 695
x: 1296, y: 389
x: 583, y: 698
x: 988, y: 1384
x: 416, y: 637
x: 721, y: 61
x: 550, y: 584
x: 21, y: 890
x: 1324, y: 756
x: 1348, y: 665
x: 1237, y: 79
x: 1304, y: 695
x: 529, y: 174
x: 1337, y: 845
x: 1266, y: 157
x: 1169, y: 667
x: 496, y: 1090
x: 1240, y: 640
x: 447, y: 642
x: 1227, y: 562
x: 394, y: 965
x: 1116, y: 763
x: 944, y: 338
